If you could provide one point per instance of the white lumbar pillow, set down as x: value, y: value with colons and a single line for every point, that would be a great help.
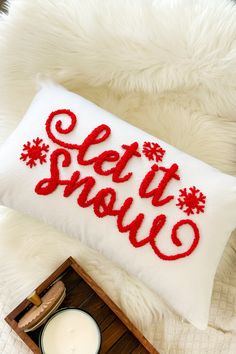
x: 159, y: 213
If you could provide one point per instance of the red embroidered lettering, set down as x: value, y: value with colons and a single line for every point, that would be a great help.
x: 157, y: 192
x: 132, y: 227
x: 104, y: 201
x: 109, y: 156
x: 130, y: 151
x: 74, y: 183
x: 59, y: 128
x: 177, y: 242
x: 156, y: 227
x: 192, y: 201
x: 49, y: 185
x: 98, y: 135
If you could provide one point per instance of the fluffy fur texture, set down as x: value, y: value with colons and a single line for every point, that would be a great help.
x: 168, y: 67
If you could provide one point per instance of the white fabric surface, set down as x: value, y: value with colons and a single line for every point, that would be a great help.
x: 185, y: 283
x: 167, y: 67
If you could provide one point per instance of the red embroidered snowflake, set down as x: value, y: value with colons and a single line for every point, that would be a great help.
x: 34, y: 151
x: 192, y: 201
x: 153, y: 151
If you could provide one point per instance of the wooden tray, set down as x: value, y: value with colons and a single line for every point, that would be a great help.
x: 119, y: 335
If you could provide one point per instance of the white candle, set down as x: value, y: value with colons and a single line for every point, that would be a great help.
x: 71, y: 331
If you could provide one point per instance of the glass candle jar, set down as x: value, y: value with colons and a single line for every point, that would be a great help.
x: 70, y: 331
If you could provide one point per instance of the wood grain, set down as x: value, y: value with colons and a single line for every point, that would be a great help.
x: 2, y: 5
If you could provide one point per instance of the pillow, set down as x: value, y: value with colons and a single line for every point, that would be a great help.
x: 159, y: 213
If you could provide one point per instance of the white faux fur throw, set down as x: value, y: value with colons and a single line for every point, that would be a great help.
x: 168, y: 67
